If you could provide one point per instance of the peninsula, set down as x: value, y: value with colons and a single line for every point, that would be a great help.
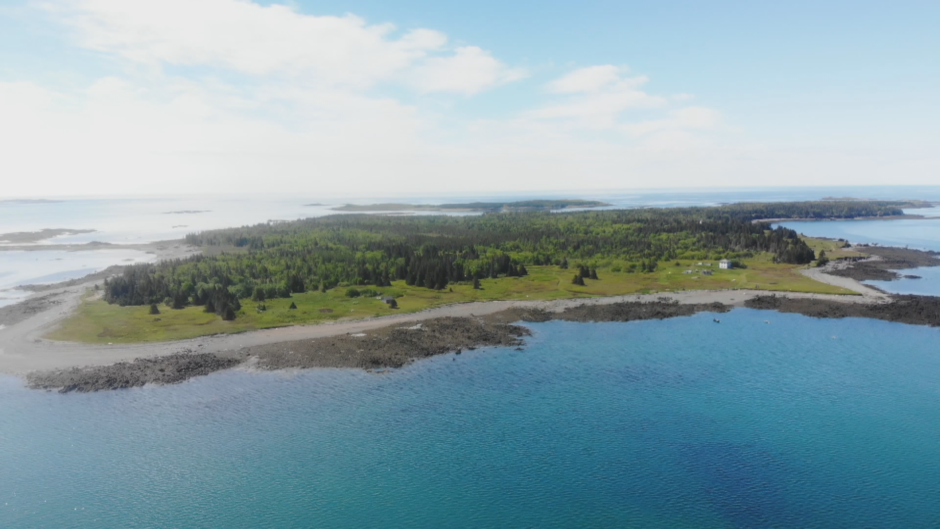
x: 249, y: 294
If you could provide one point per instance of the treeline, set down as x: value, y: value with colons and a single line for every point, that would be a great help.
x: 277, y: 259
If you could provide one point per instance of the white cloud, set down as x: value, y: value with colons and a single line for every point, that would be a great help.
x: 469, y: 71
x: 590, y: 79
x: 256, y: 40
x: 599, y: 96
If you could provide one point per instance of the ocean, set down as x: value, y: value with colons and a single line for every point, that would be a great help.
x: 678, y: 423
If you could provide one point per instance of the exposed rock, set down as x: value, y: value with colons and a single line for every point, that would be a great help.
x: 170, y: 369
x: 917, y: 310
x: 389, y: 347
x: 882, y: 263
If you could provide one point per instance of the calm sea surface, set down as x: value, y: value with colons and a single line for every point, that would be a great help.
x: 677, y: 423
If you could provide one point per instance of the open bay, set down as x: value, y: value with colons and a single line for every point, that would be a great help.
x: 675, y: 423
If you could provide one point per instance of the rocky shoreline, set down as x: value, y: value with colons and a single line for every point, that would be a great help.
x: 913, y: 310
x: 882, y: 263
x: 398, y: 345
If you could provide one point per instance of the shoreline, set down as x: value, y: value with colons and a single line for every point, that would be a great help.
x: 25, y: 353
x: 392, y: 342
x: 22, y: 348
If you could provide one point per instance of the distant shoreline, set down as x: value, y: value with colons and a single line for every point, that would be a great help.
x: 476, y: 207
x: 887, y: 217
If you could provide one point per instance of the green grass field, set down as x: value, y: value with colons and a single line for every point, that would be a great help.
x: 98, y: 322
x: 833, y: 249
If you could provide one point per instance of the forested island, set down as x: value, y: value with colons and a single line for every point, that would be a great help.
x: 476, y: 207
x: 365, y: 253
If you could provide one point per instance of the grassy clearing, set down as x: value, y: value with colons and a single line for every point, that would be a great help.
x: 834, y: 249
x: 98, y: 322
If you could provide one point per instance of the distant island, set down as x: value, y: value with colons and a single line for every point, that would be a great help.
x: 187, y: 212
x: 912, y: 204
x: 25, y: 237
x: 477, y: 207
x: 316, y: 204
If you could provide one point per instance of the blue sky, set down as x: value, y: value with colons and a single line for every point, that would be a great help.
x: 459, y: 97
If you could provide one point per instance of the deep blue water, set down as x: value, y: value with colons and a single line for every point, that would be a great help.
x: 677, y: 423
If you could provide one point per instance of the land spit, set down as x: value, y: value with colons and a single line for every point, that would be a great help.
x: 397, y: 345
x: 384, y: 342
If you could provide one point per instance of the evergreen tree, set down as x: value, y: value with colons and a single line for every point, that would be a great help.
x: 593, y: 274
x: 154, y: 309
x: 476, y: 283
x: 578, y: 280
x: 293, y: 306
x: 259, y: 294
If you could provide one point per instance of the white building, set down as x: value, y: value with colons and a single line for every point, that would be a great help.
x: 724, y: 264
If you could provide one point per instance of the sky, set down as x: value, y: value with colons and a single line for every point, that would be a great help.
x: 412, y: 97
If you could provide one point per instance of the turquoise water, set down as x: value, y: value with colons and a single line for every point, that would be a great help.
x: 676, y: 423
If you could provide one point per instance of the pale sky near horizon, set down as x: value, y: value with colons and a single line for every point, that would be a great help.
x: 142, y: 97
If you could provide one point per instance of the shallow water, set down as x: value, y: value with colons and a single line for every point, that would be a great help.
x: 676, y: 423
x: 46, y: 267
x: 928, y: 284
x: 922, y: 234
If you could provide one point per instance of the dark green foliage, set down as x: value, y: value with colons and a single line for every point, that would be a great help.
x: 259, y: 294
x: 393, y: 304
x: 229, y: 314
x: 153, y: 309
x: 435, y: 251
x: 578, y: 280
x: 353, y: 292
x: 293, y: 306
x: 476, y: 284
x: 593, y: 274
x: 823, y: 259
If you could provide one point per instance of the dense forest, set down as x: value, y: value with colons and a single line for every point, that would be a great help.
x: 277, y: 259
